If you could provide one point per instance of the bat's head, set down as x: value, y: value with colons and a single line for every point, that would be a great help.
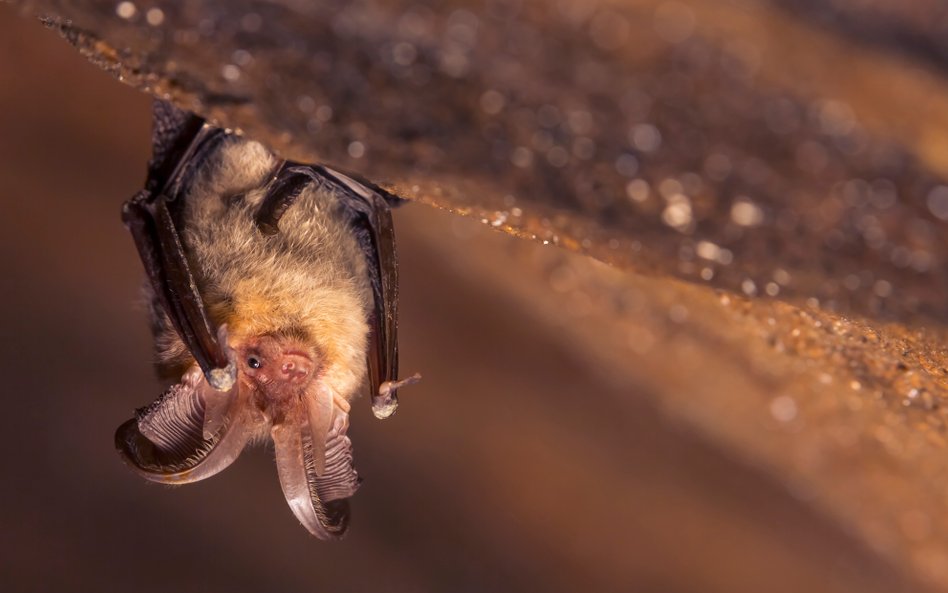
x: 277, y: 369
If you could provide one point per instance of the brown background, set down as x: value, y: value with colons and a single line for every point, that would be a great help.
x: 512, y: 467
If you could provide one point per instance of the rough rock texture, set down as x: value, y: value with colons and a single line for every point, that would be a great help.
x: 768, y: 184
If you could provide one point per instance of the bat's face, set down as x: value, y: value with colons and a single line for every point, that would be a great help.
x: 279, y: 370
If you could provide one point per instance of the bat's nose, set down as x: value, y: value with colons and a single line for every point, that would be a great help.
x: 295, y: 367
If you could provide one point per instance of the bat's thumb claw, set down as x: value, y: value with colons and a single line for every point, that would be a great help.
x: 223, y: 379
x: 386, y: 402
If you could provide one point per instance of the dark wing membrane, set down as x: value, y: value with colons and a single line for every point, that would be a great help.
x: 183, y: 144
x: 320, y: 502
x: 173, y: 130
x: 372, y: 223
x: 169, y: 440
x: 173, y: 284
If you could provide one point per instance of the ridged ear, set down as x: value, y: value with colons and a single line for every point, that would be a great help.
x: 318, y: 497
x: 189, y: 433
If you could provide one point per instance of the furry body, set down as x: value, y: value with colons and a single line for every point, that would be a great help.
x: 309, y: 282
x: 273, y: 288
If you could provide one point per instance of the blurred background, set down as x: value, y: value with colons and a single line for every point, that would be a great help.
x: 514, y: 466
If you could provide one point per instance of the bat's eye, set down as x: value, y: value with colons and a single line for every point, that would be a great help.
x: 254, y: 362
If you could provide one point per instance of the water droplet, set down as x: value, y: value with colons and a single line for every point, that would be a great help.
x: 126, y: 10
x: 242, y: 57
x: 645, y: 137
x: 836, y: 118
x: 748, y: 287
x: 677, y: 214
x: 492, y: 102
x: 230, y: 72
x: 781, y: 276
x: 746, y: 213
x: 155, y: 16
x: 356, y: 149
x: 783, y: 408
x: 882, y: 288
x: 557, y: 156
x: 462, y: 28
x: 713, y: 252
x: 324, y: 113
x: 938, y: 201
x: 454, y: 63
x: 305, y: 103
x: 637, y: 190
x: 521, y: 157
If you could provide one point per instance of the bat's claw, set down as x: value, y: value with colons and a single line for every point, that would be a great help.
x: 223, y: 379
x: 386, y: 402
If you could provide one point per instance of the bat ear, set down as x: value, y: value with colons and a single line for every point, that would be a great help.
x: 318, y: 497
x: 189, y: 433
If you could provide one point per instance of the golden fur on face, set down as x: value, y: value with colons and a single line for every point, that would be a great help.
x: 310, y: 279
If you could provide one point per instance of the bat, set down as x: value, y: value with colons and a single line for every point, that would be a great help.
x: 273, y: 292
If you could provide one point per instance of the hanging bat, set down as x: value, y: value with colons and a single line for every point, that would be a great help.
x: 273, y: 292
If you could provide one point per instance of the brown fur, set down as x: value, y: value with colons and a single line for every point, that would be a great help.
x: 310, y: 280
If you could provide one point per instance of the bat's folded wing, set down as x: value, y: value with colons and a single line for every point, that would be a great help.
x: 189, y: 433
